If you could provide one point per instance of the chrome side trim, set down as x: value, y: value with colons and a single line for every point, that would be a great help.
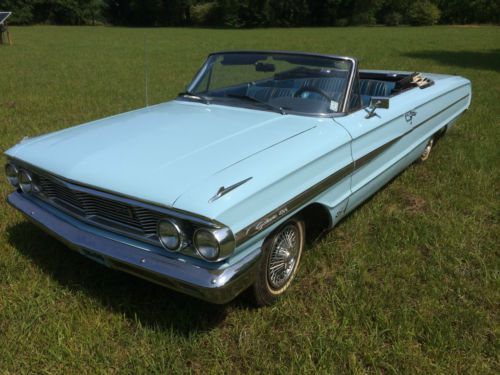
x: 224, y: 190
x: 287, y: 208
x: 290, y: 206
x: 358, y: 163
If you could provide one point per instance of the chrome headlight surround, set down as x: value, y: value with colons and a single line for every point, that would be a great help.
x: 170, y: 234
x: 12, y: 174
x: 25, y: 181
x: 214, y: 244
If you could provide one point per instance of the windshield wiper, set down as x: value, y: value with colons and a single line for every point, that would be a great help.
x: 255, y: 100
x: 193, y: 95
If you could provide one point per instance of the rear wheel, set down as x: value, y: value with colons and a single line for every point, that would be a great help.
x: 282, y: 251
x: 427, y: 150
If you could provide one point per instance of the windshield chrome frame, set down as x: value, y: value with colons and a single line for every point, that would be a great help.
x: 350, y: 79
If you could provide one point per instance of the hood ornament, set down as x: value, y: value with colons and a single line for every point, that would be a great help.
x: 224, y: 190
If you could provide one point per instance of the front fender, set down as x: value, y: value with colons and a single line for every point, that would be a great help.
x: 284, y: 179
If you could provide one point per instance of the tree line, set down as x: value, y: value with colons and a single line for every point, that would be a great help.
x: 251, y: 13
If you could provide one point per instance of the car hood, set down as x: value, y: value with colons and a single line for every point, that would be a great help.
x: 157, y: 153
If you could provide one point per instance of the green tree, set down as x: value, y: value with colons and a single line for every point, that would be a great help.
x: 92, y: 10
x: 175, y: 12
x: 22, y: 10
x: 393, y: 19
x: 252, y: 13
x: 255, y: 13
x: 364, y: 11
x: 423, y: 12
x: 290, y: 13
x: 324, y: 12
x: 469, y: 11
x: 203, y: 14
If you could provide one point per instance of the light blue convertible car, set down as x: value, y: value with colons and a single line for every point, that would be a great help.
x: 217, y: 191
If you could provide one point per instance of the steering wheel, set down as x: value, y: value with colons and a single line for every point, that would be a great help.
x: 315, y: 89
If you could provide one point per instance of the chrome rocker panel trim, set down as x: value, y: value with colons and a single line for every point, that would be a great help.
x: 213, y: 285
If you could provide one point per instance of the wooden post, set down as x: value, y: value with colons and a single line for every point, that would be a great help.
x: 4, y: 30
x: 8, y: 33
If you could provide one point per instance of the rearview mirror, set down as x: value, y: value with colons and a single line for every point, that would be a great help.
x: 377, y: 102
x: 264, y: 67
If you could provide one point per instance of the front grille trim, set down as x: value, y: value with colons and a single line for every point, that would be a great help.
x: 164, y: 210
x: 141, y: 207
x: 116, y: 216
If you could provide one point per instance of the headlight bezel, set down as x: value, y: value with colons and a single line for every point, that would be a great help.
x: 223, y: 242
x: 26, y: 187
x: 14, y: 178
x: 201, y: 249
x: 181, y: 237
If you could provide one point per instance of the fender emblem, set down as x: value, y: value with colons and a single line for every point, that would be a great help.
x: 268, y: 220
x: 409, y: 115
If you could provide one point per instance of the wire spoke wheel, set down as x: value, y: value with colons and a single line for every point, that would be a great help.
x: 283, y: 257
x: 281, y: 251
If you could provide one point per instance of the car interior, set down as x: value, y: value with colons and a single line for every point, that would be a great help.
x: 329, y: 88
x: 323, y: 87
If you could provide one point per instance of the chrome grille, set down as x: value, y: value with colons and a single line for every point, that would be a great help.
x: 106, y: 212
x: 58, y: 192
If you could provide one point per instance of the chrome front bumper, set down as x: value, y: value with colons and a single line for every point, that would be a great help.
x: 213, y: 285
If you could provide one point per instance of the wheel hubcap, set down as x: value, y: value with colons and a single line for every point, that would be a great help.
x: 427, y: 150
x: 283, y: 257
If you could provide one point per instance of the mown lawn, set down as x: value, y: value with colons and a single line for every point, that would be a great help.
x: 409, y: 283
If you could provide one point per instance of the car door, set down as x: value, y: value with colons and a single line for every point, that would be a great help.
x: 377, y: 148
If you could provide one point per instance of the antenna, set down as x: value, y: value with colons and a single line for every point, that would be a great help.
x: 146, y: 72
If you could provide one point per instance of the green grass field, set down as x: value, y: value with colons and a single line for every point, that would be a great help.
x: 407, y: 284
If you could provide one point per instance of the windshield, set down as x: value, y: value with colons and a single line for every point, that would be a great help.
x: 283, y: 82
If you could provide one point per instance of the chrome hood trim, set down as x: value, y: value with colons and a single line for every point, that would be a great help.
x: 224, y: 190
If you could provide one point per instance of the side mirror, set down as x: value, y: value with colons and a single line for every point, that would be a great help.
x: 377, y: 102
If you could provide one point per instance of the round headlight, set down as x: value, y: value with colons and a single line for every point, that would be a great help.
x: 169, y: 234
x: 12, y: 174
x: 25, y: 181
x: 206, y: 244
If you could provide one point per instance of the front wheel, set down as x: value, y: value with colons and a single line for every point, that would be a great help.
x: 282, y: 251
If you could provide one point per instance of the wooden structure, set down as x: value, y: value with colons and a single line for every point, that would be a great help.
x: 4, y: 28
